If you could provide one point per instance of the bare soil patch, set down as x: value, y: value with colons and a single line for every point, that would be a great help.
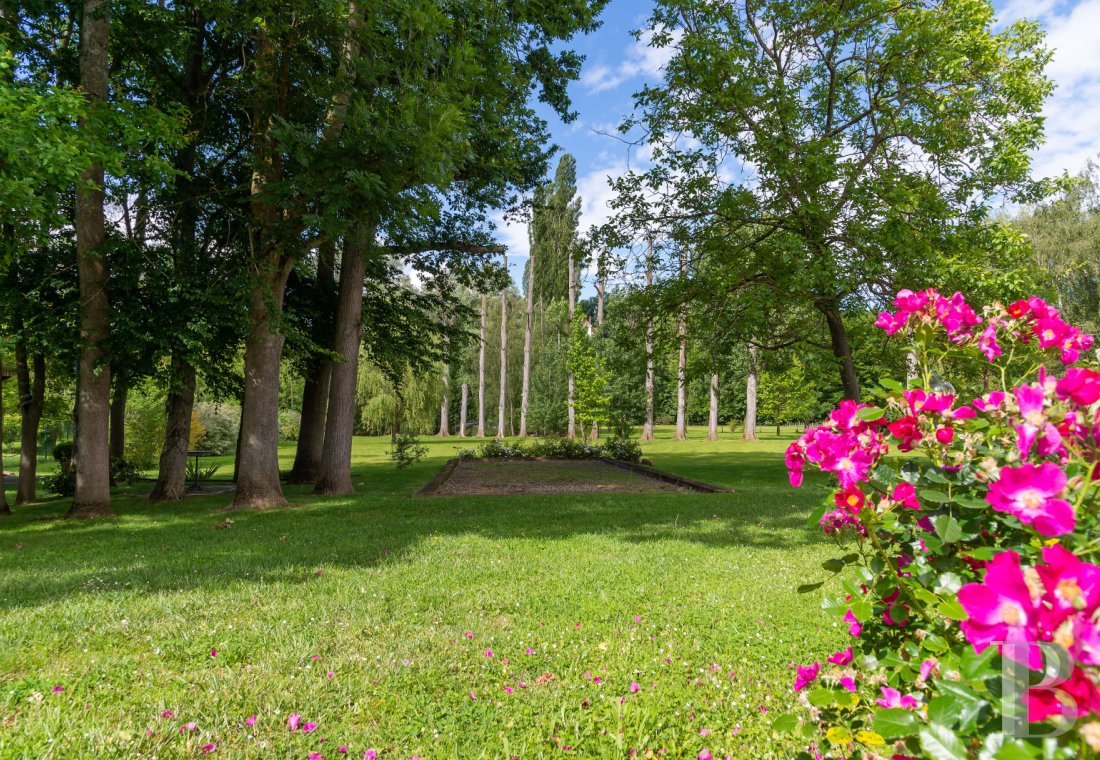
x: 461, y: 477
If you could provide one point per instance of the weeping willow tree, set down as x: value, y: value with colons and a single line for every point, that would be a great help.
x: 411, y: 404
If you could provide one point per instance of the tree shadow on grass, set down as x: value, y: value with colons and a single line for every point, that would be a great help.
x: 177, y: 547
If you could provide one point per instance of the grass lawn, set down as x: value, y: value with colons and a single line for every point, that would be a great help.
x: 449, y: 627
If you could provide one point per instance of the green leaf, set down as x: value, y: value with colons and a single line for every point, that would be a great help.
x: 963, y: 706
x: 895, y: 723
x: 935, y: 497
x: 940, y: 743
x: 870, y: 414
x: 806, y: 588
x: 924, y: 595
x: 821, y: 697
x: 932, y: 475
x: 863, y: 610
x: 785, y: 723
x: 833, y: 565
x: 971, y: 502
x: 976, y: 666
x: 814, y: 521
x: 950, y: 608
x: 890, y: 385
x: 947, y: 528
x: 1015, y: 749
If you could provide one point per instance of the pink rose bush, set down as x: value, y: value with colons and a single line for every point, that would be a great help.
x: 968, y: 511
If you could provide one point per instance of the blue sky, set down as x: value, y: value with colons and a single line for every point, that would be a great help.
x: 617, y: 65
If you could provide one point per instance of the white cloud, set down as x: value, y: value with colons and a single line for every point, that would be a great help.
x: 642, y: 59
x: 1072, y: 116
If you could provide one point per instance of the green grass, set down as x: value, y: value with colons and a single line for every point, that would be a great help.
x: 382, y: 588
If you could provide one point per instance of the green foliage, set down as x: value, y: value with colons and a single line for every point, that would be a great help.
x: 63, y: 453
x: 556, y: 448
x: 144, y: 426
x: 220, y: 423
x: 877, y: 149
x: 623, y: 449
x: 546, y: 412
x: 786, y: 396
x: 407, y: 450
x: 125, y: 471
x: 1064, y: 234
x: 198, y: 472
x: 591, y: 399
x: 290, y: 423
x: 555, y: 215
x: 61, y: 483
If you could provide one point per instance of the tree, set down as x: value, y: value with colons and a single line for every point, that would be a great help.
x: 681, y: 369
x: 591, y: 399
x: 787, y: 395
x: 92, y: 464
x: 749, y: 432
x: 503, y: 356
x: 481, y: 368
x: 525, y: 399
x: 421, y: 169
x: 878, y: 136
x: 647, y: 430
x: 555, y: 216
x: 712, y: 419
x: 1065, y: 236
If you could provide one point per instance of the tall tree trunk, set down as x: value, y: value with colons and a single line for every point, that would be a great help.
x: 838, y: 335
x: 712, y: 430
x: 647, y: 430
x: 93, y: 467
x: 4, y: 508
x: 335, y: 475
x: 445, y: 406
x: 749, y: 433
x: 601, y: 290
x: 572, y: 425
x: 481, y: 368
x: 503, y: 355
x: 171, y: 482
x: 462, y: 410
x: 32, y: 391
x: 912, y: 368
x: 525, y: 395
x: 258, y: 458
x: 182, y: 234
x: 681, y: 371
x: 257, y: 467
x: 311, y: 434
x: 118, y: 419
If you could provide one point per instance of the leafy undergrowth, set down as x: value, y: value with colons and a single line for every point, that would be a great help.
x: 584, y: 625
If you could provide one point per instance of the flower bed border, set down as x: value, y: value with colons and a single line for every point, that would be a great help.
x: 431, y: 488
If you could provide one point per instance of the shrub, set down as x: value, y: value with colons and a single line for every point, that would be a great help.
x: 125, y: 471
x: 984, y: 532
x: 63, y: 483
x: 623, y: 449
x: 144, y: 427
x: 557, y: 448
x: 290, y: 423
x: 63, y: 454
x: 219, y: 424
x: 407, y: 450
x: 498, y: 449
